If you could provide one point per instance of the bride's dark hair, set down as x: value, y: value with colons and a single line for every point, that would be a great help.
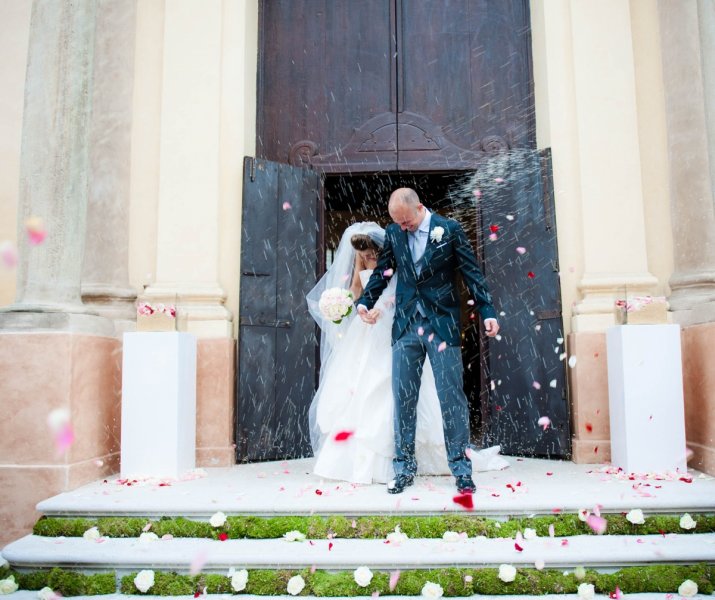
x: 362, y: 242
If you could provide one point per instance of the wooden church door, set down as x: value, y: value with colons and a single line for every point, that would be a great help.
x: 393, y: 86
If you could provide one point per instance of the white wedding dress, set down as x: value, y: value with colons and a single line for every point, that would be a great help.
x: 355, y: 396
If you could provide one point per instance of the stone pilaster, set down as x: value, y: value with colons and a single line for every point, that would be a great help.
x: 187, y: 259
x: 612, y: 204
x: 687, y: 32
x: 105, y: 275
x: 54, y: 170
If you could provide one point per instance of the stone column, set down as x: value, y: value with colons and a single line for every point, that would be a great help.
x: 105, y: 275
x: 188, y: 210
x: 688, y: 37
x: 54, y: 170
x: 612, y: 204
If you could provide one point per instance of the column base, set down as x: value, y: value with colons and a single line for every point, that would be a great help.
x: 199, y: 309
x: 113, y: 302
x: 596, y: 311
x: 38, y: 319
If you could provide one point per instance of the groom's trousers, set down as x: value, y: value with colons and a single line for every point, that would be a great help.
x: 408, y: 356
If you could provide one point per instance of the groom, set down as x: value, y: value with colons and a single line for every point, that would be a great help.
x: 427, y: 250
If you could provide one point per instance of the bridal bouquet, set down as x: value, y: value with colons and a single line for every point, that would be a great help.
x: 335, y: 304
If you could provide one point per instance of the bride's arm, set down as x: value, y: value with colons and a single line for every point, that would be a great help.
x: 356, y: 284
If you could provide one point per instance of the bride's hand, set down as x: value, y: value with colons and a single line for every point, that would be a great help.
x: 374, y: 314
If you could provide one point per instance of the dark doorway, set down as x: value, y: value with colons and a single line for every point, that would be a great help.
x: 353, y: 198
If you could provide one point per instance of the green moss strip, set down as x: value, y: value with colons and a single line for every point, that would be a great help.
x: 455, y: 582
x: 66, y: 583
x: 370, y: 527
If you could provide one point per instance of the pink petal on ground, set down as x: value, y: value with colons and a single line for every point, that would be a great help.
x: 198, y: 563
x: 330, y: 546
x: 394, y: 578
x: 518, y: 548
x: 616, y: 594
x: 598, y: 524
x: 343, y: 436
x: 313, y: 568
x: 147, y: 527
x: 544, y: 422
x: 465, y: 500
x: 442, y: 347
x: 564, y: 542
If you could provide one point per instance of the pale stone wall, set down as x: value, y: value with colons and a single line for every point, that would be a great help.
x: 14, y: 39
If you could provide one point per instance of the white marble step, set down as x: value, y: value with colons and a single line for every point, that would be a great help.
x: 528, y: 486
x: 606, y: 552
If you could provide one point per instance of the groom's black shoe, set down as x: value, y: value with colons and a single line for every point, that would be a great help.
x: 465, y: 485
x: 399, y: 483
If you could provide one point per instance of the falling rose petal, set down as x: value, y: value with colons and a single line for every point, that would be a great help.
x: 465, y: 500
x: 510, y: 217
x: 564, y: 542
x: 530, y: 275
x: 551, y: 530
x: 36, y: 233
x: 147, y: 527
x: 375, y: 594
x: 420, y: 331
x: 598, y: 524
x: 494, y: 228
x: 287, y: 206
x: 544, y: 422
x: 477, y: 193
x: 64, y: 438
x: 330, y: 546
x: 388, y: 272
x: 223, y: 536
x: 319, y: 492
x: 493, y: 237
x: 536, y: 385
x: 442, y: 347
x: 468, y: 579
x: 342, y: 436
x: 588, y: 427
x: 521, y: 250
x: 394, y: 578
x: 353, y: 524
x: 517, y: 547
x: 553, y: 383
x: 498, y: 180
x: 572, y: 361
x: 8, y: 254
x: 539, y: 564
x: 430, y: 337
x: 616, y: 594
x: 198, y: 563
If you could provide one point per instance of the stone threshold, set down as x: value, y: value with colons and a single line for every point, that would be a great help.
x: 527, y: 487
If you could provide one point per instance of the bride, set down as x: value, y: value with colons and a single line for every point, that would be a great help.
x: 351, y: 416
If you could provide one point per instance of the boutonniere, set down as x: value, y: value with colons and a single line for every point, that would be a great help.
x: 436, y: 234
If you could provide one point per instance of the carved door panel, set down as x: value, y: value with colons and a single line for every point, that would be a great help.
x: 326, y: 81
x: 383, y: 85
x: 464, y: 81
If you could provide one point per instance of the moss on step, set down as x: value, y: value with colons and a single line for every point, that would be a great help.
x: 66, y: 583
x: 367, y: 527
x: 455, y: 582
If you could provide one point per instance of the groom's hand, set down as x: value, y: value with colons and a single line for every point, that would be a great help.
x: 368, y: 316
x: 491, y: 326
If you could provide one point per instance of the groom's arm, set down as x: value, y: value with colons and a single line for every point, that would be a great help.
x: 472, y: 274
x: 378, y: 281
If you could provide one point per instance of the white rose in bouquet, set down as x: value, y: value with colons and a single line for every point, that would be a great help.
x: 335, y: 304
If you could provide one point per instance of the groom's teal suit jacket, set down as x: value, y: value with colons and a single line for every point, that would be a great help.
x: 435, y: 287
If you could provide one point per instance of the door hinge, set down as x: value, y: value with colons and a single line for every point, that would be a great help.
x: 282, y: 324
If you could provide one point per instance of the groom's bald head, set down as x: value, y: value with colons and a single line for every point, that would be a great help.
x: 406, y: 209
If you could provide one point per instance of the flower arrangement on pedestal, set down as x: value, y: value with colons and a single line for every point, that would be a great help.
x: 156, y: 317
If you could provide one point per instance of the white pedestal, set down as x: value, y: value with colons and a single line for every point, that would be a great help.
x: 645, y: 389
x: 158, y: 404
